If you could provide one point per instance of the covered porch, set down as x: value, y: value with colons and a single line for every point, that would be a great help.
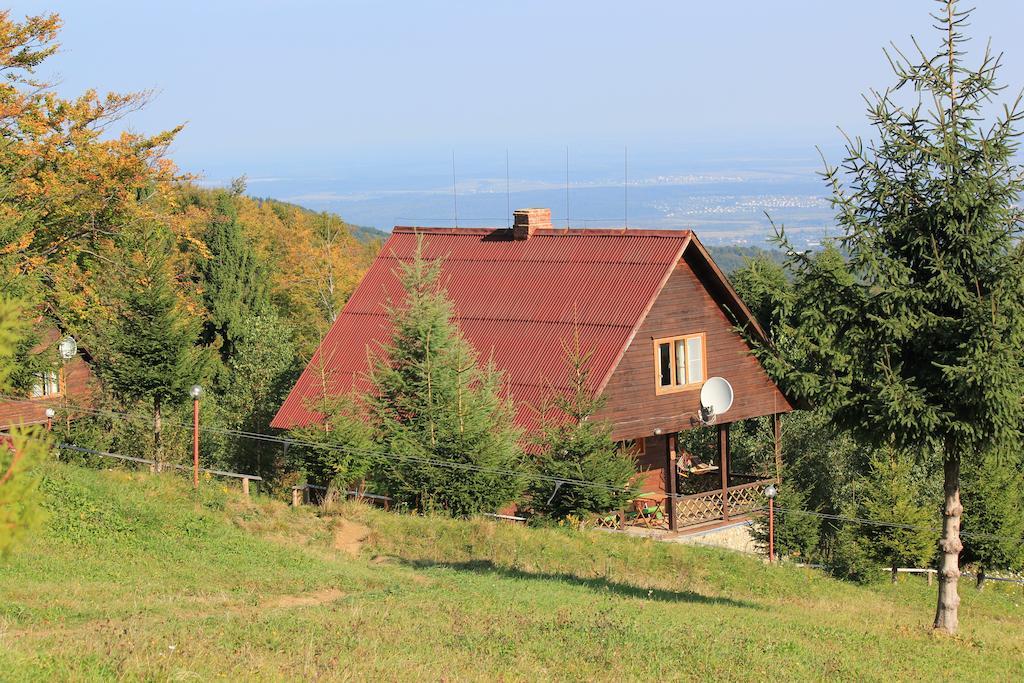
x: 680, y: 492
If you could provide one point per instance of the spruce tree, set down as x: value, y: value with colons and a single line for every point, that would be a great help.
x: 447, y: 432
x: 149, y: 352
x: 915, y: 338
x: 993, y: 495
x: 255, y: 380
x: 763, y: 286
x: 891, y: 495
x: 572, y: 445
x: 234, y: 279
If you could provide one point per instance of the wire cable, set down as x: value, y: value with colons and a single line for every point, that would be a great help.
x: 890, y: 525
x: 383, y: 456
x: 558, y: 482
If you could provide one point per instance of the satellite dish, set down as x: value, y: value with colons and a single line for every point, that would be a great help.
x: 715, y: 398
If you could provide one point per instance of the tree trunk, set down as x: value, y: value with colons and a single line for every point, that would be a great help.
x: 946, y: 614
x: 158, y: 444
x: 980, y: 578
x: 895, y: 573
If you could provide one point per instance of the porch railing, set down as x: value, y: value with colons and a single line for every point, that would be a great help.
x: 710, y: 506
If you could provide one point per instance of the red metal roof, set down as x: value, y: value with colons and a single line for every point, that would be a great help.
x: 517, y: 301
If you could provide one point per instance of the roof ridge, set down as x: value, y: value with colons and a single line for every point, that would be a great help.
x: 669, y: 233
x: 596, y: 262
x: 458, y: 317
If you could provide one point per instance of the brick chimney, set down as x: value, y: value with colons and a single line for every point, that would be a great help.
x: 526, y: 221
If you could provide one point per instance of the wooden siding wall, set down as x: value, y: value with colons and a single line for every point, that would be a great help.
x: 77, y: 392
x: 686, y: 306
x: 652, y: 464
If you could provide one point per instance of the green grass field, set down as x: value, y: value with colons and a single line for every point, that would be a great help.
x: 134, y: 577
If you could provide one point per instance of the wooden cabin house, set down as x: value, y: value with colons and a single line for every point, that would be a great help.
x: 67, y: 384
x: 651, y: 305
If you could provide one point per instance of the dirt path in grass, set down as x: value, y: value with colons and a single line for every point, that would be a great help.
x: 311, y: 599
x: 349, y: 536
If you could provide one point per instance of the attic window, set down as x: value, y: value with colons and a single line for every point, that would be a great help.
x: 46, y: 384
x: 679, y: 362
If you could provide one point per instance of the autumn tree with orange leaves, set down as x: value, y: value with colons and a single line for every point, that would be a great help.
x: 81, y: 195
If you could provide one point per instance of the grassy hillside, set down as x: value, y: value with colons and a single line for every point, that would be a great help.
x: 136, y: 578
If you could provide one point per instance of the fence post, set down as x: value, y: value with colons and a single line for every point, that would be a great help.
x: 295, y: 497
x: 245, y: 486
x: 723, y: 464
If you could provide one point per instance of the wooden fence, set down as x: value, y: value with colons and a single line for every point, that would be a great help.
x: 155, y: 466
x: 307, y: 493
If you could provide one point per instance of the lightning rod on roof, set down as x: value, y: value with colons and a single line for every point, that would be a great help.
x: 508, y: 194
x: 567, y: 186
x: 455, y: 192
x: 625, y: 187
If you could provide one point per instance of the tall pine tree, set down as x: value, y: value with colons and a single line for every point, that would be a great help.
x: 443, y: 423
x: 915, y: 338
x: 150, y: 353
x: 235, y: 282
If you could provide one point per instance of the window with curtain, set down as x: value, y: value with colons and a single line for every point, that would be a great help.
x: 47, y: 383
x: 679, y: 362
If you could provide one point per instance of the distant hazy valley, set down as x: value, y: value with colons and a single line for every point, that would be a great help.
x: 726, y: 202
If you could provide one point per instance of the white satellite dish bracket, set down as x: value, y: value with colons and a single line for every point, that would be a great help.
x: 716, y: 397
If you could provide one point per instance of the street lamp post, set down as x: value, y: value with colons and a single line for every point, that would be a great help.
x: 50, y: 412
x: 67, y: 349
x: 196, y: 392
x: 770, y: 491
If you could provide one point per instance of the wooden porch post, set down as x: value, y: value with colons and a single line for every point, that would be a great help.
x: 670, y: 464
x: 777, y: 434
x: 723, y: 465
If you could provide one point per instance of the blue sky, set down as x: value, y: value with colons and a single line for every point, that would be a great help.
x: 366, y: 89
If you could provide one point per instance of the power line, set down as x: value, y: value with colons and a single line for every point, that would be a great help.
x: 146, y: 461
x: 558, y: 482
x: 891, y: 525
x: 378, y: 455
